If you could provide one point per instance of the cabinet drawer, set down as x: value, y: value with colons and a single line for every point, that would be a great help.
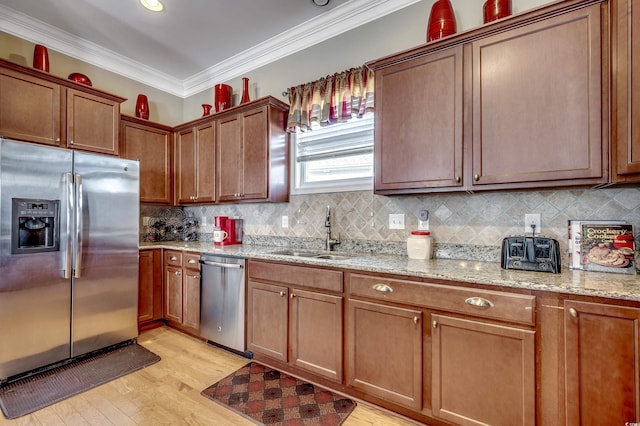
x: 484, y: 303
x: 173, y: 258
x: 192, y: 261
x: 302, y: 276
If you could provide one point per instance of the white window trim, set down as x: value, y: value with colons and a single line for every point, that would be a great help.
x: 359, y: 184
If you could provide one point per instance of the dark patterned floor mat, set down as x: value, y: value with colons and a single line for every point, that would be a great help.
x: 274, y: 398
x: 33, y: 393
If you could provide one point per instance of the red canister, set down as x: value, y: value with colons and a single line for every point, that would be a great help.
x: 223, y: 95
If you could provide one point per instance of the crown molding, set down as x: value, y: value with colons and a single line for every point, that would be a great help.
x: 330, y: 24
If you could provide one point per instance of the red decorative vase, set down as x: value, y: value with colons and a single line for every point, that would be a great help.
x: 222, y: 96
x: 442, y: 20
x: 496, y: 9
x: 142, y: 107
x: 206, y: 109
x: 245, y: 90
x: 41, y: 58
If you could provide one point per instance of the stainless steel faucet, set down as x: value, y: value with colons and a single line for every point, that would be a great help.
x: 330, y: 242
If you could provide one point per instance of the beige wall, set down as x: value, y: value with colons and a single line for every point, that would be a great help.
x: 163, y: 107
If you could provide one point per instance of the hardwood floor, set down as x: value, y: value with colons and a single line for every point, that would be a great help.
x: 168, y: 392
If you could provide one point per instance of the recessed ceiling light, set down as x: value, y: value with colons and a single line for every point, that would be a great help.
x: 320, y: 2
x: 154, y: 5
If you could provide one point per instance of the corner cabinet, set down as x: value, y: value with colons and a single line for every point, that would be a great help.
x: 36, y: 106
x: 625, y: 53
x: 195, y: 164
x: 151, y: 143
x: 252, y: 152
x: 602, y: 364
x: 519, y: 103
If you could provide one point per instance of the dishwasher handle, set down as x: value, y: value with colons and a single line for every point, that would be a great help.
x: 222, y: 265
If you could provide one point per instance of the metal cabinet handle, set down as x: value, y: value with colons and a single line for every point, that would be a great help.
x: 173, y: 258
x: 479, y: 302
x: 434, y: 324
x: 415, y: 320
x: 476, y: 177
x: 191, y: 261
x: 196, y: 277
x: 293, y: 295
x: 458, y: 179
x: 70, y: 142
x: 283, y: 293
x: 178, y: 272
x: 57, y: 139
x: 573, y: 312
x: 383, y: 288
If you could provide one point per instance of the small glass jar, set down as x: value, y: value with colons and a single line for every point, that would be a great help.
x: 419, y: 245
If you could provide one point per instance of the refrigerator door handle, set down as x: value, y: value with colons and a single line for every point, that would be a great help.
x: 78, y: 233
x: 68, y: 187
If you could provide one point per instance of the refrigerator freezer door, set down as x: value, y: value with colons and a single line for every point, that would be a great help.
x: 105, y: 283
x: 34, y: 295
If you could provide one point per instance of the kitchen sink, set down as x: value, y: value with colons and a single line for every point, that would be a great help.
x: 311, y: 254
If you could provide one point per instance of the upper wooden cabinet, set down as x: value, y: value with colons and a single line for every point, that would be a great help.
x: 150, y: 143
x: 252, y: 152
x: 517, y: 104
x: 195, y: 164
x: 38, y: 107
x: 625, y: 53
x: 419, y: 108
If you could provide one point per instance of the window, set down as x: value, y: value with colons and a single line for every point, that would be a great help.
x: 334, y: 158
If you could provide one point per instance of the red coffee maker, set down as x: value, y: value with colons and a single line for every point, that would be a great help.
x: 233, y: 228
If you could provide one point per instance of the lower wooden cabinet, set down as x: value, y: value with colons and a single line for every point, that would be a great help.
x: 384, y: 347
x: 482, y: 374
x: 302, y: 327
x: 602, y: 364
x: 149, y: 287
x: 182, y: 289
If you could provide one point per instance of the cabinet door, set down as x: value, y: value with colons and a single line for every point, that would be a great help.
x: 384, y: 357
x: 205, y: 163
x: 229, y: 158
x: 267, y: 325
x: 482, y: 374
x: 537, y: 103
x: 29, y: 108
x: 92, y: 123
x: 602, y: 364
x: 173, y: 293
x: 316, y: 333
x: 418, y: 135
x: 191, y: 298
x: 150, y: 286
x: 626, y: 89
x: 152, y: 147
x: 255, y: 145
x: 185, y: 166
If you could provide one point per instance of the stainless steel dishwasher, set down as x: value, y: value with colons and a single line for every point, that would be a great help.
x: 222, y: 313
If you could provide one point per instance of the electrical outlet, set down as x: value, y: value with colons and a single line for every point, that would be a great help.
x: 285, y: 221
x: 396, y: 221
x: 532, y: 220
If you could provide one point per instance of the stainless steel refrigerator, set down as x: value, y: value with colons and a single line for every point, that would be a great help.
x: 68, y: 254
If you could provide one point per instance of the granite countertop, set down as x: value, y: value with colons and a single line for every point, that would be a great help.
x: 609, y: 285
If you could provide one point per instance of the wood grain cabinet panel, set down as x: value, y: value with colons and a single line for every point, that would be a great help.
x: 149, y: 286
x: 152, y: 145
x: 537, y: 103
x: 30, y: 108
x: 267, y: 320
x: 625, y: 126
x: 384, y: 352
x: 93, y: 123
x: 418, y: 135
x: 482, y: 374
x: 602, y: 364
x: 195, y: 164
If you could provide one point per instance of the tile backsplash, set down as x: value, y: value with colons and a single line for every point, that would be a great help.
x: 461, y: 223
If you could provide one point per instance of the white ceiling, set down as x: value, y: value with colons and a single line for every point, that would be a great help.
x: 190, y: 44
